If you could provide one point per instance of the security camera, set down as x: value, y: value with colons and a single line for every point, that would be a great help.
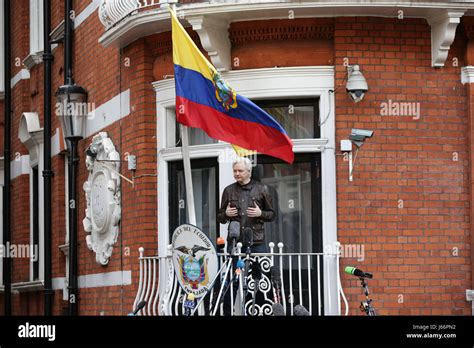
x: 356, y: 84
x: 358, y: 136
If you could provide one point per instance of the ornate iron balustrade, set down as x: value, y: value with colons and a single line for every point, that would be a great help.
x: 112, y: 12
x: 302, y: 276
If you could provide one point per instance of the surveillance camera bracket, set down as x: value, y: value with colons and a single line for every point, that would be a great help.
x: 351, y: 159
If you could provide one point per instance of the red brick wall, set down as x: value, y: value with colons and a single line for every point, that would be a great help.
x: 409, y: 249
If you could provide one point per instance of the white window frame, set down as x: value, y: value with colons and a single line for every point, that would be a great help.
x: 33, y: 163
x: 268, y: 83
x: 31, y: 135
x: 35, y: 55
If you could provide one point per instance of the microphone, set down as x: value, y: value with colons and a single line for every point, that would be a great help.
x: 278, y: 310
x: 220, y: 243
x: 300, y: 311
x: 189, y: 304
x: 357, y: 272
x: 248, y: 237
x: 234, y: 234
x: 140, y: 305
x: 234, y: 230
x: 276, y: 282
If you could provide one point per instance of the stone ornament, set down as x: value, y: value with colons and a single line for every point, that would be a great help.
x: 102, y: 190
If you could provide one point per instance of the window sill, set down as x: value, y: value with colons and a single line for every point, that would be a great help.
x: 36, y: 285
x: 32, y: 59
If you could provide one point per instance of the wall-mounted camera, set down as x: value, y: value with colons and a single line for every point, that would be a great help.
x: 358, y: 136
x: 356, y: 83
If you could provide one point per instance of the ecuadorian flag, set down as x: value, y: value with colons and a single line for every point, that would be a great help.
x: 204, y: 100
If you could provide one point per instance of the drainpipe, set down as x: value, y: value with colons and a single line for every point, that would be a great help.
x: 47, y: 173
x: 72, y: 153
x: 7, y: 264
x: 68, y: 26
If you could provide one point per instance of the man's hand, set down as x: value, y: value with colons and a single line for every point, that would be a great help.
x: 231, y: 211
x: 254, y: 212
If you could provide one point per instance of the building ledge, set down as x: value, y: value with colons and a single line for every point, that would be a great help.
x: 467, y: 74
x: 33, y: 59
x: 211, y: 20
x: 36, y: 285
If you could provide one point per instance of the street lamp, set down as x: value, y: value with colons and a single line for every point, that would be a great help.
x: 72, y: 112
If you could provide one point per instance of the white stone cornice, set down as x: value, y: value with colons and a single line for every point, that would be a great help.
x: 214, y: 35
x: 124, y: 26
x: 467, y: 74
x: 23, y: 74
x: 33, y: 59
x: 443, y: 29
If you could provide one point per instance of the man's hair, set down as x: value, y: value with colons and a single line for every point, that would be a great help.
x: 247, y: 163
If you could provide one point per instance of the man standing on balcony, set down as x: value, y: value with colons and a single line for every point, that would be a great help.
x: 248, y: 202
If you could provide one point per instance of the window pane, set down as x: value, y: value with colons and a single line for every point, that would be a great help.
x: 298, y: 121
x: 204, y: 188
x: 196, y: 137
x: 290, y: 188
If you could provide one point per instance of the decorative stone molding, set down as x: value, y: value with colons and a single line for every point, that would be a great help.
x: 443, y: 29
x: 467, y: 74
x: 32, y: 59
x: 280, y: 30
x: 214, y: 36
x: 102, y: 190
x: 31, y: 134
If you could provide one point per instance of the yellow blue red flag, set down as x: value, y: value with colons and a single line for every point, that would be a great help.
x: 204, y: 100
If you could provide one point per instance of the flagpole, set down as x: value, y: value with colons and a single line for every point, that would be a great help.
x: 188, y: 178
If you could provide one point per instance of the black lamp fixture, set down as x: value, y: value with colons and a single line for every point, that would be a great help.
x: 72, y: 113
x: 72, y: 106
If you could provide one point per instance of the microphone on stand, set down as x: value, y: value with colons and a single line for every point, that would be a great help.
x: 140, y: 305
x: 300, y: 311
x: 278, y: 310
x: 248, y: 238
x: 234, y: 234
x: 276, y: 283
x: 357, y: 272
x: 220, y: 243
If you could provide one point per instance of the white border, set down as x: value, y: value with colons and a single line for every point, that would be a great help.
x: 265, y: 83
x: 23, y: 74
x: 467, y: 74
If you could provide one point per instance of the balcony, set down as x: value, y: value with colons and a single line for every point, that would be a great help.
x: 310, y: 280
x: 128, y: 20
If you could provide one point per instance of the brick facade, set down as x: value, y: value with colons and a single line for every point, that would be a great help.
x: 409, y: 203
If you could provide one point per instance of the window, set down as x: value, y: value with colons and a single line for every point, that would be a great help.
x: 294, y: 187
x: 304, y: 192
x: 36, y: 34
x: 205, y: 179
x: 296, y: 195
x: 298, y: 117
x: 36, y: 26
x: 31, y: 135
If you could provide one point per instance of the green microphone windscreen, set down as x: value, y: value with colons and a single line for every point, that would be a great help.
x: 349, y: 269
